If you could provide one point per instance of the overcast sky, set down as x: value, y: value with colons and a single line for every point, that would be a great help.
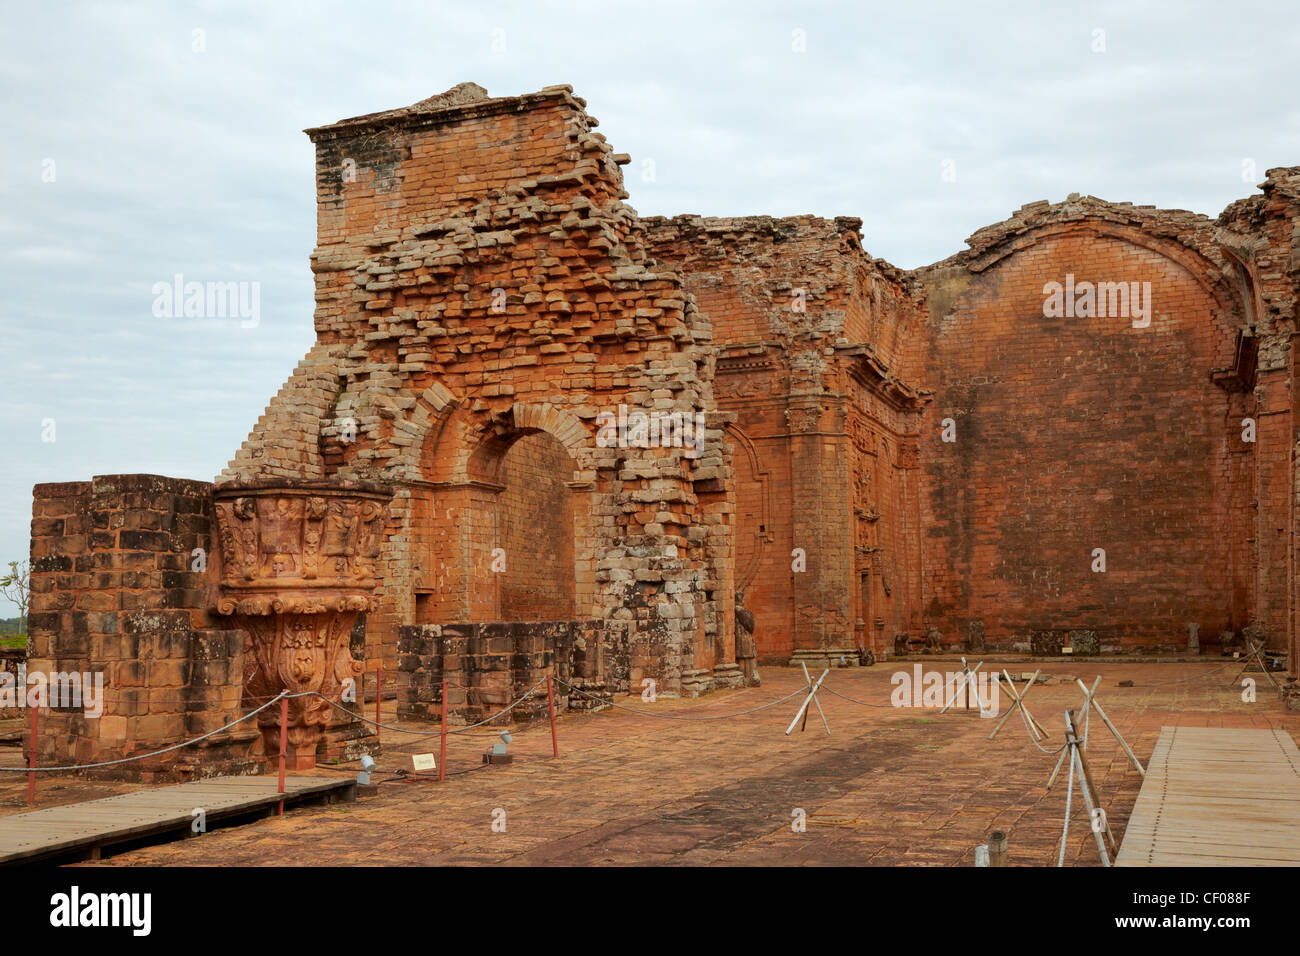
x: 133, y: 148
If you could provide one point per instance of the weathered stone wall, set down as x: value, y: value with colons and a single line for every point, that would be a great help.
x: 489, y: 666
x: 114, y: 594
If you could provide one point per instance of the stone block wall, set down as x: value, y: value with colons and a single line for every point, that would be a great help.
x: 116, y: 593
x: 488, y: 666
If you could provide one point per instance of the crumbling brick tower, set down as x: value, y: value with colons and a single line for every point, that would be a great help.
x: 482, y: 297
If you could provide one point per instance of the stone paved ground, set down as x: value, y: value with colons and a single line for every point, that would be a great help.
x: 889, y: 786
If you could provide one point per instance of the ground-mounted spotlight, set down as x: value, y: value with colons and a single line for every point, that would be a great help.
x: 367, y: 765
x: 499, y: 753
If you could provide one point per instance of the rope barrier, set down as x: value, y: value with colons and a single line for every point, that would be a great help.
x: 853, y: 700
x: 459, y: 730
x: 421, y: 735
x: 650, y: 713
x: 1182, y: 680
x: 156, y: 753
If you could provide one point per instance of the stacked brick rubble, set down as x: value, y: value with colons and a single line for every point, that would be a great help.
x: 479, y: 279
x: 486, y: 667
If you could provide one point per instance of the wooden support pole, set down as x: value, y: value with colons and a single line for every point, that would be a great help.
x: 1076, y: 760
x: 997, y: 848
x: 379, y: 696
x: 1087, y: 705
x: 1086, y: 776
x: 808, y: 677
x: 968, y: 675
x: 1096, y: 705
x: 803, y: 709
x: 1034, y: 728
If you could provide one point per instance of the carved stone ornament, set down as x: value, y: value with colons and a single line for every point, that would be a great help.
x: 297, y: 566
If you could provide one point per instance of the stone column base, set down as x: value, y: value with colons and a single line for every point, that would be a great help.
x: 696, y: 682
x: 728, y: 676
x: 825, y: 657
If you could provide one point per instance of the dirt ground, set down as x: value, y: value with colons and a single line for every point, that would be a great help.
x: 682, y: 783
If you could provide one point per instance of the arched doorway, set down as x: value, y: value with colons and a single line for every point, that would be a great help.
x: 535, y: 531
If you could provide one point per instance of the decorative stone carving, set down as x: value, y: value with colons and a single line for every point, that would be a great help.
x: 297, y: 566
x: 746, y: 649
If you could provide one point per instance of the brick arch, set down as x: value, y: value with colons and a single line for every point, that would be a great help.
x: 403, y: 436
x: 462, y: 445
x: 760, y: 480
x: 1076, y: 433
x: 1209, y: 274
x: 501, y: 431
x: 462, y: 476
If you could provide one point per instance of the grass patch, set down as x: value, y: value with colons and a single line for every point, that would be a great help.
x: 13, y: 640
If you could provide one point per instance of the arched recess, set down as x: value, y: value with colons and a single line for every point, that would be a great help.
x: 754, y: 507
x: 1081, y: 437
x: 1225, y: 290
x: 511, y: 532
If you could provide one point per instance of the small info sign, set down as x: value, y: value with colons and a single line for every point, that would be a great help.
x: 422, y: 762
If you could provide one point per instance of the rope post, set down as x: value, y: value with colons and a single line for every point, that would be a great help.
x: 550, y: 705
x: 31, y: 762
x: 379, y: 696
x: 442, y: 744
x: 997, y: 848
x: 284, y: 739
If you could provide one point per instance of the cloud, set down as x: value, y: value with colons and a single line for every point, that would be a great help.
x: 168, y: 159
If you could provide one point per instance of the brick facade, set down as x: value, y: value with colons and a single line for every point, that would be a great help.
x: 883, y: 457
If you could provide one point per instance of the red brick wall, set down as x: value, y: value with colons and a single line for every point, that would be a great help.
x: 481, y: 280
x: 1082, y: 433
x: 535, y: 529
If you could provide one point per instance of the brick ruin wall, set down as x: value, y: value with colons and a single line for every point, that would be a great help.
x: 479, y: 280
x: 1069, y: 432
x: 829, y: 376
x: 1077, y: 433
x: 810, y: 331
x: 115, y: 594
x: 484, y: 294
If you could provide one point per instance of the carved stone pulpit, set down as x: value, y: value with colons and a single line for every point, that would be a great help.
x: 297, y: 568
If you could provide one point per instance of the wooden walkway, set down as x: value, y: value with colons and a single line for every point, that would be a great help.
x: 1217, y: 797
x: 79, y: 830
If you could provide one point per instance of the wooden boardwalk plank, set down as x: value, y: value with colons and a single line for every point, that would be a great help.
x: 83, y: 827
x: 1217, y: 797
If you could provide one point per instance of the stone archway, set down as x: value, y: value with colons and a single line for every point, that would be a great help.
x: 503, y: 525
